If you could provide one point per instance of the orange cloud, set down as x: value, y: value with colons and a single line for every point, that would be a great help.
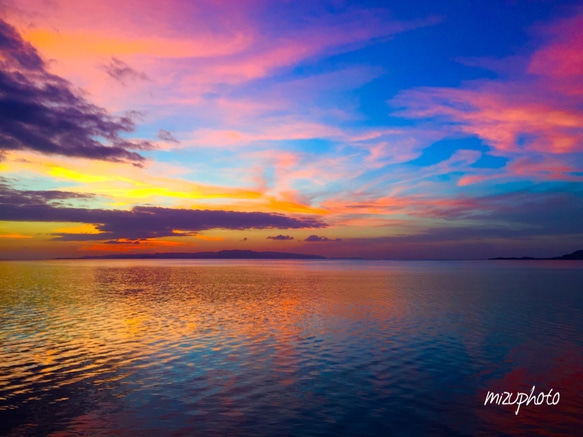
x: 208, y: 238
x: 81, y: 229
x: 82, y: 44
x: 127, y: 185
x: 189, y: 49
x: 124, y: 245
x: 15, y: 236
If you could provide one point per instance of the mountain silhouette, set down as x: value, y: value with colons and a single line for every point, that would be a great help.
x: 223, y: 254
x: 577, y: 255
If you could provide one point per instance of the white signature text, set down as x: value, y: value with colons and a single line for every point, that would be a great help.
x: 507, y: 398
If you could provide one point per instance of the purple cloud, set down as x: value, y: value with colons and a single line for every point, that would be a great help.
x: 280, y: 237
x: 138, y: 223
x: 41, y: 112
x: 9, y: 196
x: 165, y: 135
x: 122, y: 72
x: 316, y: 238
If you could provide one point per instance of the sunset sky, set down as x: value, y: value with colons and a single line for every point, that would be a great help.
x: 375, y: 129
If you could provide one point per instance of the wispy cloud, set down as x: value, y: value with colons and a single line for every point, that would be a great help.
x: 531, y: 114
x: 122, y: 72
x: 273, y: 115
x: 165, y: 135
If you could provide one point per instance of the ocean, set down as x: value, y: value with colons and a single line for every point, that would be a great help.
x: 290, y: 348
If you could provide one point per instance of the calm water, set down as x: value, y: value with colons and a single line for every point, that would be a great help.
x: 228, y: 348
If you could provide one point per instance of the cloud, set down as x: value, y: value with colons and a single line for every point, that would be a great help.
x: 9, y: 196
x: 122, y: 72
x: 229, y: 48
x: 532, y: 113
x: 513, y: 233
x: 42, y: 112
x: 511, y: 117
x: 165, y: 135
x: 122, y: 241
x: 316, y: 238
x: 545, y: 209
x: 536, y: 222
x: 280, y: 237
x: 16, y: 49
x: 141, y: 221
x: 561, y: 57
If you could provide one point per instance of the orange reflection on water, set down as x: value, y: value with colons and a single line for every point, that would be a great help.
x: 126, y: 345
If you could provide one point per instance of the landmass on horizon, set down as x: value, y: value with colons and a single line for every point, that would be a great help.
x: 222, y: 254
x: 577, y: 255
x: 251, y: 254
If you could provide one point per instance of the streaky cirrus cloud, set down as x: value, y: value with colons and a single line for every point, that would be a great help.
x: 227, y: 48
x: 42, y: 112
x: 534, y: 222
x: 281, y: 107
x: 532, y: 113
x: 510, y: 216
x: 536, y: 167
x: 510, y: 117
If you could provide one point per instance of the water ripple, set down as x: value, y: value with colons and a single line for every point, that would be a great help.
x: 287, y: 347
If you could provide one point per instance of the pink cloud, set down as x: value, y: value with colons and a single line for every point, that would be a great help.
x: 529, y: 116
x: 547, y: 168
x: 281, y: 129
x: 186, y: 48
x: 562, y: 56
x: 509, y: 116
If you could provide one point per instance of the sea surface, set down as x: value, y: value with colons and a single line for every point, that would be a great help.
x: 288, y: 348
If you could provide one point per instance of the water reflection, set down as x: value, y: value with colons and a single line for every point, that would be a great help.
x: 286, y: 347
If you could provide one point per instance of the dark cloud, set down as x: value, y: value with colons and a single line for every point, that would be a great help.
x: 513, y: 224
x: 42, y: 112
x: 9, y: 196
x: 138, y: 223
x: 280, y: 237
x: 122, y: 242
x: 12, y: 46
x: 316, y: 238
x: 122, y: 72
x: 152, y: 222
x: 165, y: 135
x: 530, y: 212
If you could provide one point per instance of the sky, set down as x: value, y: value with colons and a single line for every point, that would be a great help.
x: 372, y: 129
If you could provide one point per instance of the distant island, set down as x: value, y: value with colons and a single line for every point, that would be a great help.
x: 223, y: 254
x: 577, y: 255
